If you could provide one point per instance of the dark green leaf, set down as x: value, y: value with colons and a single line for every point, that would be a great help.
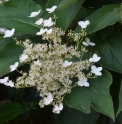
x: 101, y: 18
x: 97, y: 96
x: 10, y: 111
x: 109, y: 48
x: 73, y: 116
x: 9, y: 54
x: 14, y: 14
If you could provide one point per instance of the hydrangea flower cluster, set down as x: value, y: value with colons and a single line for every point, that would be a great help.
x: 52, y: 65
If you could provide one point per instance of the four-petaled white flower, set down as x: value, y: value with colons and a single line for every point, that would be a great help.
x: 96, y: 70
x: 9, y: 33
x: 66, y: 63
x: 87, y: 42
x: 49, y: 31
x: 94, y: 58
x: 10, y: 83
x: 83, y: 24
x: 2, y: 81
x: 47, y: 100
x: 50, y: 10
x: 42, y: 31
x: 14, y: 67
x: 34, y: 14
x: 23, y: 57
x: 83, y: 82
x: 39, y: 21
x: 57, y: 108
x: 48, y: 22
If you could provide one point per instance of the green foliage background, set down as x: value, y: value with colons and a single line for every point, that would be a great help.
x: 101, y: 103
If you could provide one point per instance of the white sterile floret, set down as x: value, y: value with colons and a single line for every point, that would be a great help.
x: 14, y: 67
x: 94, y: 58
x: 48, y: 22
x: 96, y: 70
x: 2, y: 81
x: 39, y: 21
x: 23, y: 57
x: 42, y: 31
x: 50, y: 10
x: 83, y: 82
x: 87, y: 42
x: 10, y: 83
x: 9, y: 33
x: 66, y: 63
x: 34, y: 14
x: 49, y: 31
x: 47, y: 100
x: 57, y: 108
x: 83, y: 24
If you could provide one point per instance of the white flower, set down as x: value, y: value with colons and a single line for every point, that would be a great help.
x: 10, y: 83
x: 34, y: 14
x: 9, y: 33
x: 42, y: 31
x: 14, y: 67
x: 96, y: 70
x: 57, y: 108
x: 4, y: 80
x: 94, y: 58
x: 66, y: 63
x: 83, y: 24
x: 39, y: 21
x: 48, y: 22
x: 49, y: 31
x: 50, y: 10
x: 47, y: 100
x: 23, y: 57
x: 37, y: 63
x: 83, y: 82
x: 87, y: 42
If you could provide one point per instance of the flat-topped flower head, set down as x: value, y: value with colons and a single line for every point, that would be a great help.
x: 50, y: 10
x: 57, y: 108
x: 39, y: 21
x: 48, y: 22
x: 87, y: 42
x: 23, y: 57
x: 83, y: 24
x: 9, y: 33
x: 14, y: 67
x: 42, y: 31
x: 34, y: 14
x: 66, y: 63
x: 83, y: 82
x: 94, y: 58
x: 96, y: 70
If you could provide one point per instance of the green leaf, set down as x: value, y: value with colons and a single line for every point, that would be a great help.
x: 67, y: 11
x: 119, y: 113
x: 9, y: 54
x: 14, y: 14
x: 64, y: 20
x: 73, y: 116
x: 10, y: 111
x: 97, y: 96
x: 109, y: 48
x: 101, y: 18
